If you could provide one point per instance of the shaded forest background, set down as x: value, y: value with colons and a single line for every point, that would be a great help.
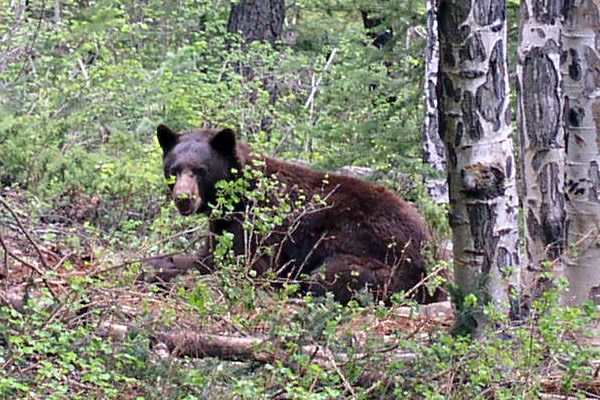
x: 83, y: 85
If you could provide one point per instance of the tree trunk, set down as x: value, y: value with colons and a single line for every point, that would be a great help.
x: 433, y: 147
x: 257, y: 19
x: 581, y: 74
x: 542, y: 137
x: 475, y: 127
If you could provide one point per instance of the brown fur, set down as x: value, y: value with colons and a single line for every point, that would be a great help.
x: 366, y: 236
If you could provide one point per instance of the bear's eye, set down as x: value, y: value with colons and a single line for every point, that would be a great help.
x: 200, y: 171
x: 174, y: 171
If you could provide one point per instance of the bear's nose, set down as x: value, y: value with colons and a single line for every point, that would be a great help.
x: 185, y: 203
x: 184, y: 198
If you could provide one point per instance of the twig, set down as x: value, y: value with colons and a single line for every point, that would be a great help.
x: 83, y: 71
x: 578, y: 243
x: 315, y: 86
x: 338, y: 371
x: 33, y: 40
x: 29, y: 265
x: 422, y: 281
x: 26, y: 233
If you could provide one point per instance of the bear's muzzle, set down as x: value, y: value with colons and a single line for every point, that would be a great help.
x: 186, y: 194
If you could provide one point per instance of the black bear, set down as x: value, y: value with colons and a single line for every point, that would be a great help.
x: 364, y: 236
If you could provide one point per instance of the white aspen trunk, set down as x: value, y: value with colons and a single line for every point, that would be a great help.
x: 475, y: 127
x: 433, y: 147
x: 542, y: 138
x: 581, y: 75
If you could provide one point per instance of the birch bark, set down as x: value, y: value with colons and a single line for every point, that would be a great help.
x: 475, y: 127
x: 542, y: 136
x: 580, y: 66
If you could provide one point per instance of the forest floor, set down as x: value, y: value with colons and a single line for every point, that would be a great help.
x: 53, y: 256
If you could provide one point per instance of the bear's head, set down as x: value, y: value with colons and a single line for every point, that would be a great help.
x: 194, y: 161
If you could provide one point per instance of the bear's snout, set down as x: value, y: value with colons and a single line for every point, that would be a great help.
x: 186, y: 204
x: 186, y: 195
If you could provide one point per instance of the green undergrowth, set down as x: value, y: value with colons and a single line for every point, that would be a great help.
x: 92, y: 329
x: 58, y: 349
x: 81, y: 93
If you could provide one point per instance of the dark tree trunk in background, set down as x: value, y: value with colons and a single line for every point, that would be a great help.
x: 542, y: 139
x: 257, y: 19
x: 475, y: 126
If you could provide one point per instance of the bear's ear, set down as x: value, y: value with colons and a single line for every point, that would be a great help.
x: 167, y: 138
x: 224, y: 142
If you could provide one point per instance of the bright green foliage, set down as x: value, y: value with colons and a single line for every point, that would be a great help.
x: 83, y: 85
x: 43, y: 354
x: 82, y: 93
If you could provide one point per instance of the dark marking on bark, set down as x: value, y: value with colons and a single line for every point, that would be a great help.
x: 482, y: 218
x: 575, y: 116
x: 483, y: 181
x: 453, y: 221
x: 566, y: 108
x: 472, y: 123
x: 509, y: 166
x: 447, y: 56
x: 431, y: 89
x: 486, y: 12
x: 552, y: 215
x: 594, y: 177
x: 471, y: 73
x: 465, y: 31
x: 576, y: 188
x: 541, y: 33
x: 575, y: 70
x: 490, y: 95
x: 460, y: 129
x: 595, y: 295
x: 509, y: 209
x: 452, y: 159
x: 451, y: 16
x: 497, y: 27
x: 534, y: 227
x: 541, y: 103
x: 546, y: 11
x: 442, y: 126
x: 473, y: 50
x: 563, y: 56
x: 523, y: 16
x: 567, y: 9
x: 508, y: 116
x: 592, y: 76
x: 538, y: 160
x: 528, y: 257
x: 504, y: 261
x: 448, y: 90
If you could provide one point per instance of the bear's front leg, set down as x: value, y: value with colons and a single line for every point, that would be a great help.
x: 345, y: 274
x: 165, y: 268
